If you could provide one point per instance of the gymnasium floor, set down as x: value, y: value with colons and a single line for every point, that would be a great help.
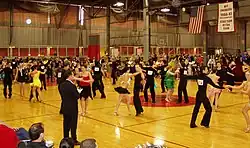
x: 158, y: 124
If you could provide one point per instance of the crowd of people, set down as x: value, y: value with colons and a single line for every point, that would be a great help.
x: 80, y: 78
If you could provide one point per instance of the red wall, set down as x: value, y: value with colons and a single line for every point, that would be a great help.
x: 123, y: 51
x: 24, y: 52
x: 71, y: 52
x: 3, y: 52
x: 85, y: 50
x: 130, y: 50
x: 15, y: 52
x: 34, y: 51
x: 94, y: 51
x: 62, y: 51
x: 43, y: 51
x: 52, y: 51
x: 77, y: 51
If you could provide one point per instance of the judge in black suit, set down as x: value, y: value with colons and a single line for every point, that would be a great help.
x: 70, y: 96
x: 61, y: 77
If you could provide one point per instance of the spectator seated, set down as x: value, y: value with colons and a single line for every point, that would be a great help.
x: 8, y: 138
x: 67, y: 143
x: 36, y: 134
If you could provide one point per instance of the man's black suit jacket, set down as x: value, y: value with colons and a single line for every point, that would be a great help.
x: 70, y: 96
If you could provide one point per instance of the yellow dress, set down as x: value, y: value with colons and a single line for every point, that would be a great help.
x: 36, y: 80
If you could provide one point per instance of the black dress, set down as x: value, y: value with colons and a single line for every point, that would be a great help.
x: 86, y: 89
x: 122, y: 90
x: 21, y: 76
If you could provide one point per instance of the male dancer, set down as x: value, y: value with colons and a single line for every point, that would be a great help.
x: 201, y: 97
x: 137, y: 86
x: 182, y: 87
x: 7, y: 81
x: 150, y: 81
x: 42, y: 68
x: 98, y: 84
x: 163, y: 71
x: 114, y: 66
x: 63, y: 78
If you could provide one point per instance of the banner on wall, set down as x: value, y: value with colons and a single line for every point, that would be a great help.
x: 226, y: 17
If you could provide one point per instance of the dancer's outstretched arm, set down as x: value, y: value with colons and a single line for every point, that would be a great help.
x: 237, y: 87
x: 245, y: 92
x: 134, y: 74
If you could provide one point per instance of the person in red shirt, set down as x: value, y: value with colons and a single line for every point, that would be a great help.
x: 8, y: 138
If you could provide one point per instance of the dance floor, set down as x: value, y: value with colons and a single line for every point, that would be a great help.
x: 158, y: 124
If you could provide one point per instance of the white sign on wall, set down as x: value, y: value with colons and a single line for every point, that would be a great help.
x: 226, y: 17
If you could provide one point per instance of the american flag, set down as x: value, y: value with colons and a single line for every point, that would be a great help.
x: 195, y: 21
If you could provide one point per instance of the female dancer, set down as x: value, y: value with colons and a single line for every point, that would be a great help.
x: 169, y: 83
x: 36, y: 85
x: 245, y: 86
x: 21, y: 75
x: 245, y: 89
x: 85, y: 85
x: 123, y: 89
x: 201, y: 97
x: 214, y: 93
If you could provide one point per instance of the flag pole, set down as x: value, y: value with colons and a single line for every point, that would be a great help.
x: 205, y: 34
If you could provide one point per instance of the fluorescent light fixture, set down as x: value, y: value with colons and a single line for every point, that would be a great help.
x: 28, y: 21
x: 119, y: 4
x: 165, y: 10
x: 81, y: 15
x: 49, y: 18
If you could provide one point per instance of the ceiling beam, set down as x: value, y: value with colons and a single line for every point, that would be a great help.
x: 170, y: 4
x: 58, y: 3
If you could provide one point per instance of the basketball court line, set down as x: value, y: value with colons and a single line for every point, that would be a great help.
x: 183, y: 115
x: 45, y: 103
x: 143, y: 122
x: 126, y: 129
x: 45, y: 115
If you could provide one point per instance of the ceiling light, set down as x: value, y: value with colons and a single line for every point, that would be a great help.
x: 119, y: 4
x: 28, y: 21
x: 183, y: 9
x: 165, y: 10
x: 208, y: 4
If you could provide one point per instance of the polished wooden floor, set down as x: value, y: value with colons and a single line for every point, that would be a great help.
x: 158, y: 124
